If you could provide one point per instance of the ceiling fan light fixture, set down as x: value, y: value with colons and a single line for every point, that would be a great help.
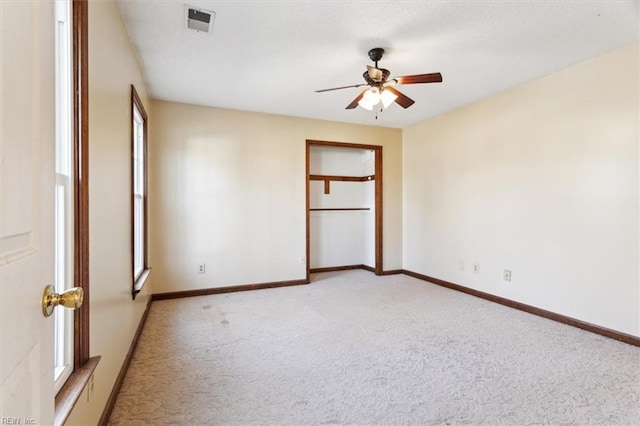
x: 365, y: 105
x: 387, y: 98
x: 370, y: 98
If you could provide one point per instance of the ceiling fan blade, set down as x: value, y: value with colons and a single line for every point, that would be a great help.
x: 402, y: 100
x: 343, y: 87
x: 435, y: 77
x: 374, y: 73
x: 354, y: 103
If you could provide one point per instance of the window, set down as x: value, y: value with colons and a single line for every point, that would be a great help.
x: 63, y: 195
x: 73, y: 366
x: 139, y: 192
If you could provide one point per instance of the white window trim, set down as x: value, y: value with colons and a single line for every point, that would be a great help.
x: 139, y: 232
x: 64, y: 232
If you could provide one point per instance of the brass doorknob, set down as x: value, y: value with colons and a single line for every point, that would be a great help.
x: 71, y: 299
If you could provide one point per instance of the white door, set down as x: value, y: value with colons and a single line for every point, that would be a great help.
x: 26, y: 213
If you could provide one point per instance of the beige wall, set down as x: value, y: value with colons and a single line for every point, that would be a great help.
x: 228, y: 190
x: 542, y: 180
x: 114, y: 316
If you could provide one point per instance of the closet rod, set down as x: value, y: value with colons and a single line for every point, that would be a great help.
x: 342, y: 178
x: 340, y: 209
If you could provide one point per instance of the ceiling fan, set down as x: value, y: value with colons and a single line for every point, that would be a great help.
x: 381, y: 86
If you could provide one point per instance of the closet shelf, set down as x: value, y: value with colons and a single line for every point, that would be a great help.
x: 329, y: 178
x: 340, y: 209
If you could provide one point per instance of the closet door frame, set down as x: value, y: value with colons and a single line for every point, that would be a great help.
x: 377, y: 149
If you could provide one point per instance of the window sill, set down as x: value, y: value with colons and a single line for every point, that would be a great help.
x: 140, y: 282
x: 70, y: 393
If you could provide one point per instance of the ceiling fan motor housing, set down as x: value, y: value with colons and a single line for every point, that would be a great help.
x: 372, y: 82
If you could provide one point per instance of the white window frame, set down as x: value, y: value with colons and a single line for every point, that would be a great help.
x: 139, y: 184
x: 64, y: 192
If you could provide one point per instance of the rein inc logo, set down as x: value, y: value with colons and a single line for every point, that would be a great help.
x: 16, y: 421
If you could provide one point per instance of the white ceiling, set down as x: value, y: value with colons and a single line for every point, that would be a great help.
x: 270, y: 56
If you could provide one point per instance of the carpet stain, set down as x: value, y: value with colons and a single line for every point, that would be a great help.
x: 206, y: 307
x: 224, y: 322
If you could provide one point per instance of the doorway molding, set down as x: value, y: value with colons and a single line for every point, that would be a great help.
x: 378, y: 234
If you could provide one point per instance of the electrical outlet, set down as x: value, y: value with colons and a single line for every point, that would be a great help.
x: 461, y: 265
x: 476, y: 268
x: 202, y: 268
x: 506, y: 275
x: 302, y: 259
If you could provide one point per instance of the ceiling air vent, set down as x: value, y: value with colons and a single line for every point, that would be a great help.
x: 199, y: 19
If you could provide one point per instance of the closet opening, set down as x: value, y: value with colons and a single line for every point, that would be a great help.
x: 343, y: 206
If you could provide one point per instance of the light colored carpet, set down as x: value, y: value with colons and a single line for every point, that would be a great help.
x: 353, y: 348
